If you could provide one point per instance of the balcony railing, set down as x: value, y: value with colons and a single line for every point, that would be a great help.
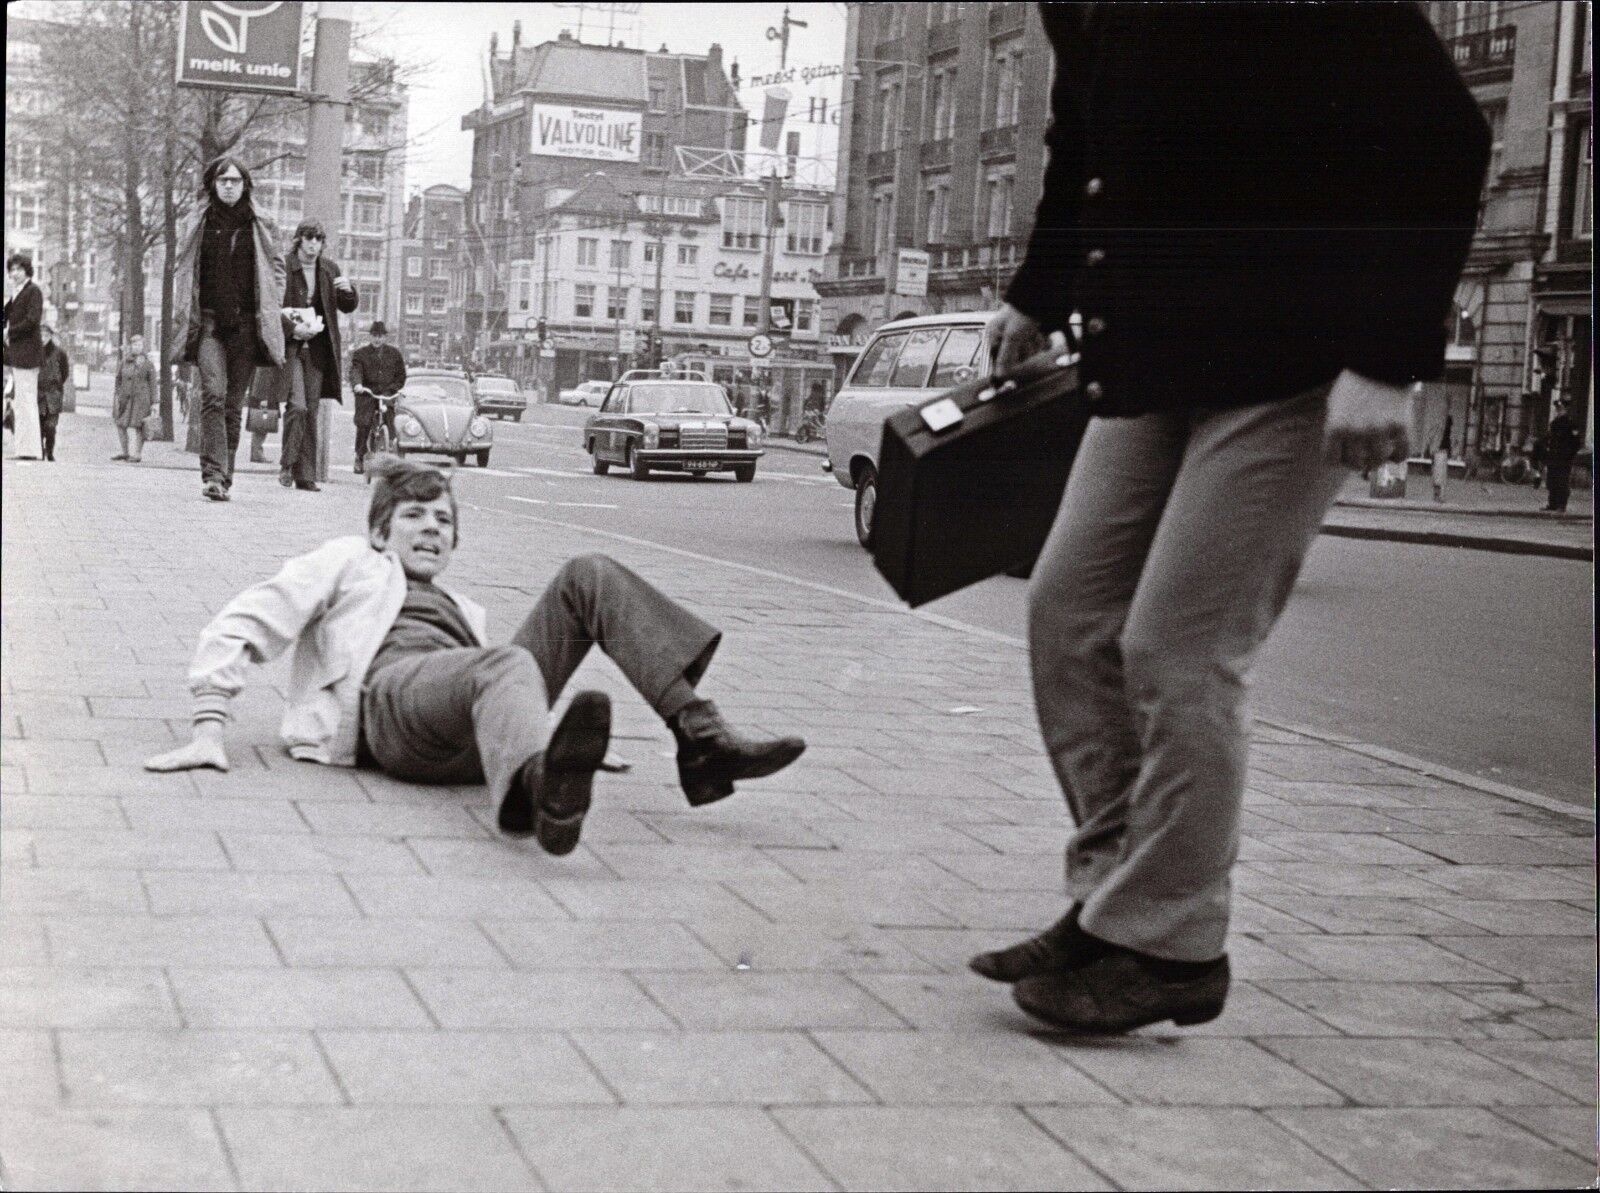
x: 1004, y: 18
x: 936, y: 154
x: 858, y: 267
x: 987, y: 256
x: 944, y: 37
x: 998, y: 142
x: 881, y: 164
x: 1485, y: 53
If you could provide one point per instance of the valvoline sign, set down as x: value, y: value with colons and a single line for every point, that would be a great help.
x: 240, y: 45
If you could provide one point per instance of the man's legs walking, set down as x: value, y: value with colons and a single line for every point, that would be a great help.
x: 298, y: 463
x: 1559, y: 479
x: 225, y: 368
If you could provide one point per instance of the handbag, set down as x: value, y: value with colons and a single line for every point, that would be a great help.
x: 969, y: 483
x: 262, y: 418
x: 151, y: 427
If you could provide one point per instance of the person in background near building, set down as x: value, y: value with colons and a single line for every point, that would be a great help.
x: 24, y: 312
x: 1561, y: 448
x: 1441, y: 460
x: 393, y: 669
x: 1323, y: 204
x: 228, y: 278
x: 55, y: 374
x: 316, y: 290
x: 379, y: 367
x: 134, y: 394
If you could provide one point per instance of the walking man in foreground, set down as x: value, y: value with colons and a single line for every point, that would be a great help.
x: 390, y: 668
x: 1263, y: 271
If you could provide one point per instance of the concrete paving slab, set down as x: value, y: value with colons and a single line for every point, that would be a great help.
x: 491, y: 1000
x: 194, y: 1068
x: 112, y: 1149
x: 1412, y: 1073
x: 285, y: 999
x: 962, y: 1067
x: 752, y: 1068
x: 58, y: 996
x: 431, y: 1068
x: 623, y: 945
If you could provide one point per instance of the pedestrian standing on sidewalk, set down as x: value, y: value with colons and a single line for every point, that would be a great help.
x: 377, y: 366
x: 55, y: 375
x: 228, y: 281
x: 1319, y: 207
x: 317, y: 293
x: 1561, y: 450
x: 24, y: 313
x: 133, y: 396
x: 391, y: 668
x: 1441, y: 460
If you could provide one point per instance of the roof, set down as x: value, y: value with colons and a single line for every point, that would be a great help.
x: 606, y: 74
x: 943, y: 320
x: 598, y: 194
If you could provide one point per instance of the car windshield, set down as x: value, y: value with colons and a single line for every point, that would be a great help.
x: 679, y: 399
x: 451, y: 390
x: 499, y: 385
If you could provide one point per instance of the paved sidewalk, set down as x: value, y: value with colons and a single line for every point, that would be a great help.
x: 290, y: 977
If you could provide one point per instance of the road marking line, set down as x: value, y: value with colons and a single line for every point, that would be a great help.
x: 529, y: 500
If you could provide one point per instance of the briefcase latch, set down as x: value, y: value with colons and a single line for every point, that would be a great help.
x: 941, y: 414
x: 990, y: 392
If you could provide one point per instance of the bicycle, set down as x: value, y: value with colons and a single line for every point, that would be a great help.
x: 381, y: 440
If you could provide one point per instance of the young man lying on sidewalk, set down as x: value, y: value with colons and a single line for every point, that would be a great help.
x: 390, y: 669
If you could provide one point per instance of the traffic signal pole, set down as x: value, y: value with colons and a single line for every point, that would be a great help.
x: 330, y: 97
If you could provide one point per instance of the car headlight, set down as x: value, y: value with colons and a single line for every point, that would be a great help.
x: 753, y: 434
x: 652, y: 436
x: 409, y: 425
x: 479, y: 428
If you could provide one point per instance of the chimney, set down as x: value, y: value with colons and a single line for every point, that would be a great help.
x: 564, y: 35
x: 714, y: 55
x: 516, y: 35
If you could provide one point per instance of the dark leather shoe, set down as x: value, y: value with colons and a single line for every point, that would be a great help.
x: 1060, y: 947
x: 1121, y: 992
x: 308, y: 486
x: 213, y: 491
x: 551, y: 794
x: 257, y: 456
x: 286, y: 479
x: 712, y: 755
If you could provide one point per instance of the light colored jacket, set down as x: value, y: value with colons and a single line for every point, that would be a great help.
x: 333, y: 605
x: 268, y: 280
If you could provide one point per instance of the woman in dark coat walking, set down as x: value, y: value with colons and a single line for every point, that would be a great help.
x: 55, y: 374
x: 313, y: 297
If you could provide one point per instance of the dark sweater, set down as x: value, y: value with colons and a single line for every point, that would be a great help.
x: 228, y: 267
x: 429, y: 620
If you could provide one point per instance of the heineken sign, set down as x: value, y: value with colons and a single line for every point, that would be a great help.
x: 599, y: 134
x: 240, y: 45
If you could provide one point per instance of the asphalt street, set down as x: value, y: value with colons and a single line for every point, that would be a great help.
x: 1470, y: 660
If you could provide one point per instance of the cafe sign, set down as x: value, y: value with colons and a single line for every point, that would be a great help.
x: 598, y: 134
x: 240, y: 45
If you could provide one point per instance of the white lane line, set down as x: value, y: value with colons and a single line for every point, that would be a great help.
x: 581, y: 505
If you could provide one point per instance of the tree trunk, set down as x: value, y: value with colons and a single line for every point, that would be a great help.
x: 169, y: 246
x: 133, y: 229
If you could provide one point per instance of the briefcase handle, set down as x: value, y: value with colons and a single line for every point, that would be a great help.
x: 1035, y: 368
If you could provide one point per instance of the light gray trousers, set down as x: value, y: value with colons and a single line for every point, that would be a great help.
x: 1176, y: 547
x: 476, y: 714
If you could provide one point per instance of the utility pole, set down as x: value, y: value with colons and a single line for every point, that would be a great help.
x: 780, y: 34
x: 330, y: 96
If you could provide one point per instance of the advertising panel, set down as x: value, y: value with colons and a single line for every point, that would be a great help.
x: 599, y: 134
x: 240, y: 45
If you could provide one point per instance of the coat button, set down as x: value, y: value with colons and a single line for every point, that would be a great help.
x: 1094, y: 391
x: 1095, y: 326
x: 1095, y: 256
x: 1093, y: 187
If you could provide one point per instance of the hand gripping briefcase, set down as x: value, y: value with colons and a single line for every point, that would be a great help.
x: 969, y: 483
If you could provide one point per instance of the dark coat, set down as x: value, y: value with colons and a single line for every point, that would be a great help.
x: 1563, y: 441
x: 268, y: 281
x: 380, y: 368
x: 330, y: 299
x: 54, y: 373
x: 1244, y: 200
x: 24, y: 313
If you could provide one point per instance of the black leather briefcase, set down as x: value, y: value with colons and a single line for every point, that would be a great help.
x: 969, y: 483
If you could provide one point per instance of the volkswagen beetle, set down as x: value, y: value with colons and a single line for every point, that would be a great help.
x: 435, y: 416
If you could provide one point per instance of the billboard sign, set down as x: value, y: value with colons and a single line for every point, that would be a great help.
x: 240, y: 45
x: 599, y: 134
x: 911, y: 273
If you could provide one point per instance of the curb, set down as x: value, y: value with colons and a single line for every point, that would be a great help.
x: 1472, y: 542
x: 1461, y: 511
x: 798, y: 449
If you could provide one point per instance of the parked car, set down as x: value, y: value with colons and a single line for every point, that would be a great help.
x: 498, y: 396
x: 671, y: 424
x: 435, y: 416
x: 589, y: 393
x: 906, y: 362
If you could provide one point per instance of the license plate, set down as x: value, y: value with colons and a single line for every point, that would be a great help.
x: 700, y: 465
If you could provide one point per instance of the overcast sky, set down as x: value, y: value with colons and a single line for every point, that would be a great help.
x: 448, y: 43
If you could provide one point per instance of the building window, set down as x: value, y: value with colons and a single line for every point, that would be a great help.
x: 652, y: 251
x: 368, y: 213
x: 1583, y: 180
x: 413, y: 267
x: 998, y: 186
x: 436, y: 304
x: 1495, y: 114
x: 647, y: 306
x: 1006, y: 93
x: 752, y: 311
x: 583, y: 301
x: 616, y: 302
x: 413, y: 304
x: 721, y: 310
x: 91, y: 270
x: 688, y: 254
x: 888, y: 115
x: 805, y: 315
x: 658, y: 97
x: 683, y: 306
x: 655, y: 150
x: 438, y: 268
x: 741, y: 223
x: 941, y: 104
x: 805, y: 226
x: 621, y: 251
x: 22, y: 212
x: 883, y: 220
x: 936, y: 211
x: 25, y: 161
x: 588, y: 251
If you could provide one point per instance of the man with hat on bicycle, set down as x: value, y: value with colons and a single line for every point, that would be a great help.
x: 377, y: 370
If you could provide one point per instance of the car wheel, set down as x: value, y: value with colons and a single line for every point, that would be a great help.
x: 460, y: 458
x: 640, y: 470
x: 517, y: 417
x: 745, y: 473
x: 866, y: 504
x: 483, y: 459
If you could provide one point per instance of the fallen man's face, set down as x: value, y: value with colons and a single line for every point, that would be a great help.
x: 421, y: 536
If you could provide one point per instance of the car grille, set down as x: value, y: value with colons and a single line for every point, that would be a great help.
x: 703, y: 438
